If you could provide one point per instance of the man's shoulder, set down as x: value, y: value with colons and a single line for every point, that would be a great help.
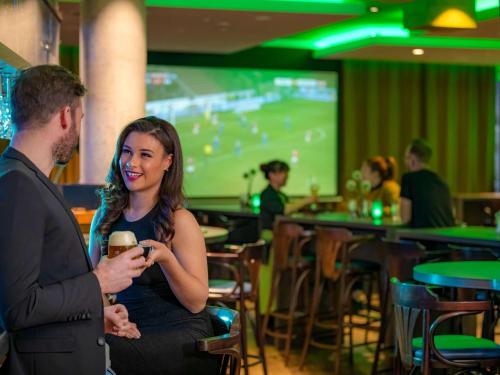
x: 14, y: 169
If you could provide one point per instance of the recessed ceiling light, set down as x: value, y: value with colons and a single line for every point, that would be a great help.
x: 263, y: 18
x: 374, y: 9
x: 417, y: 51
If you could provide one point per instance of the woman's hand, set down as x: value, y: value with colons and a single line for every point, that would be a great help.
x: 160, y: 252
x: 116, y: 322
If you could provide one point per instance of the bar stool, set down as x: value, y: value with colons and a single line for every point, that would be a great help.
x: 288, y: 242
x: 333, y: 264
x: 244, y: 262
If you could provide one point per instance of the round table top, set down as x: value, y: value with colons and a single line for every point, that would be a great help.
x: 214, y: 234
x: 463, y: 274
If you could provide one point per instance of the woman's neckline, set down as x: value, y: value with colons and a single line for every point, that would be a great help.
x: 140, y: 218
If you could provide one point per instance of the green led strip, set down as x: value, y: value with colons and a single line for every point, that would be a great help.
x: 387, y: 23
x: 412, y: 41
x: 288, y: 6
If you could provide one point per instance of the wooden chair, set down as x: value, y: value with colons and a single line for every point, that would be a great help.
x: 286, y: 249
x: 413, y: 302
x: 333, y: 248
x: 244, y: 264
x: 396, y: 259
x: 226, y: 326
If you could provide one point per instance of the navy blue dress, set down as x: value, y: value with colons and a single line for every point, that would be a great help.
x: 168, y: 330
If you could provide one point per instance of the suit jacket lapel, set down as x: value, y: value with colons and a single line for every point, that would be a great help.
x: 14, y: 154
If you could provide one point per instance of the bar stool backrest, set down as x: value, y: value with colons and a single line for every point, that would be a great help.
x: 329, y: 242
x: 285, y: 243
x: 251, y: 257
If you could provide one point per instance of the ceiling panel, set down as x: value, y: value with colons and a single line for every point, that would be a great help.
x: 208, y: 31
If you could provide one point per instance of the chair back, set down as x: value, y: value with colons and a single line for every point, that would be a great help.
x: 410, y: 300
x: 286, y: 242
x: 328, y: 246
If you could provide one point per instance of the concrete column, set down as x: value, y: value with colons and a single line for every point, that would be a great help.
x: 113, y: 68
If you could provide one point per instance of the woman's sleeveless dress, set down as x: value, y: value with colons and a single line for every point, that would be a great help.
x: 168, y: 330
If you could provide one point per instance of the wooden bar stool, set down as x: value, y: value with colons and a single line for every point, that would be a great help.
x: 333, y: 247
x: 244, y: 262
x: 287, y: 244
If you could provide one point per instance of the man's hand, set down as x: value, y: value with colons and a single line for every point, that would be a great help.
x: 116, y: 322
x: 117, y: 273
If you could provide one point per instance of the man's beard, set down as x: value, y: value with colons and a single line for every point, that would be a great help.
x: 62, y: 150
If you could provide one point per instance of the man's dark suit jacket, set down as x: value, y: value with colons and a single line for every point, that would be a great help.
x: 50, y: 302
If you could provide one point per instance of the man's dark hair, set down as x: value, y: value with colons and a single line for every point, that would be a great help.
x: 41, y: 91
x: 421, y: 149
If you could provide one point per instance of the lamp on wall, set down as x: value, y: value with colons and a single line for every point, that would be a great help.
x: 450, y: 14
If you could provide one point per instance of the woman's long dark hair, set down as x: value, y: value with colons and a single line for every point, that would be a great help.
x: 115, y: 195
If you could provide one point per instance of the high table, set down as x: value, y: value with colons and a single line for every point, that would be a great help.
x: 464, y: 236
x: 462, y: 274
x: 381, y: 228
x: 211, y: 234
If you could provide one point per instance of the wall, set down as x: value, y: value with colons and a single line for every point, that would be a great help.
x: 29, y: 32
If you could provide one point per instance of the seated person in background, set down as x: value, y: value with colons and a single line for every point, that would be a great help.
x: 272, y: 200
x: 380, y: 172
x: 167, y: 302
x: 425, y: 197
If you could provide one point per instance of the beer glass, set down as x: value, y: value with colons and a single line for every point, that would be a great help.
x: 119, y: 242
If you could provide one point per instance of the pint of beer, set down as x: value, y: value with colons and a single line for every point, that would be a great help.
x: 120, y: 242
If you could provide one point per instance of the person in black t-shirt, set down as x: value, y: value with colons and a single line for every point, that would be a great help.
x: 272, y: 200
x: 425, y: 197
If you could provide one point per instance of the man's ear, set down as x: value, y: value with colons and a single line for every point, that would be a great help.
x: 65, y: 116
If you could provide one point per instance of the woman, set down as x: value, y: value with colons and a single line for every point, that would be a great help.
x: 144, y: 195
x: 272, y: 200
x: 380, y: 172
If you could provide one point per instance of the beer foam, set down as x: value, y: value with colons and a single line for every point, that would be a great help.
x: 120, y: 238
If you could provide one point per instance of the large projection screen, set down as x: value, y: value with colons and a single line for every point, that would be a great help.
x: 230, y: 120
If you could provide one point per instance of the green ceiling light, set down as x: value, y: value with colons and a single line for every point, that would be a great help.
x: 450, y: 14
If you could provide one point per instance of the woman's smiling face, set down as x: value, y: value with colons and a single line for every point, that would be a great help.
x: 143, y: 162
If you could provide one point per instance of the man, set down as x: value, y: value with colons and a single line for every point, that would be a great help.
x: 425, y: 197
x: 50, y: 298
